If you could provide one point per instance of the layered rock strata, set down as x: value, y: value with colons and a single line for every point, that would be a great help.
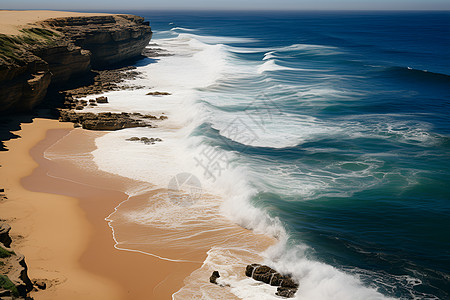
x: 56, y: 51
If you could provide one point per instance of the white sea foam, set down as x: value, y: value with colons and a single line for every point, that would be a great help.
x: 305, y: 48
x: 271, y: 65
x: 200, y: 63
x: 269, y: 55
x: 183, y: 29
x: 218, y: 39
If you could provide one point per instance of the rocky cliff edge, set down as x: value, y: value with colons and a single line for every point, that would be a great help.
x: 55, y: 51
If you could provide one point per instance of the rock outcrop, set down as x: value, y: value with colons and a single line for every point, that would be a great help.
x: 110, y: 39
x: 5, y: 239
x: 109, y: 121
x: 14, y: 280
x: 56, y: 51
x: 145, y: 140
x: 287, y: 286
x: 214, y: 276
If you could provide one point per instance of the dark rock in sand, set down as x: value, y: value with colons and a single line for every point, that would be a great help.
x: 102, y: 99
x: 145, y: 140
x: 264, y: 270
x: 148, y: 141
x: 40, y: 284
x: 249, y: 269
x: 287, y: 286
x: 286, y: 292
x: 214, y: 277
x: 103, y: 121
x: 288, y: 282
x: 5, y: 239
x: 158, y: 93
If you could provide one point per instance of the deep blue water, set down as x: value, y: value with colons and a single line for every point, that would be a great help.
x: 354, y: 153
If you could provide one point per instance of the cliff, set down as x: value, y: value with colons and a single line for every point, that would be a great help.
x: 14, y: 280
x: 55, y: 51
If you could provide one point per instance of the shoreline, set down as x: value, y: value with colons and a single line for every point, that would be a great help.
x: 85, y: 199
x: 123, y: 273
x: 50, y: 230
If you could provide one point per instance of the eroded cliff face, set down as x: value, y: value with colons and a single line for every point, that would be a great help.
x: 55, y: 51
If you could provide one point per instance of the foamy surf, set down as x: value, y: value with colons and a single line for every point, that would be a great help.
x: 199, y: 76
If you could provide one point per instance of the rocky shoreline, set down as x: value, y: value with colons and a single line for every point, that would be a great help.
x: 40, y: 64
x: 286, y: 285
x: 61, y: 51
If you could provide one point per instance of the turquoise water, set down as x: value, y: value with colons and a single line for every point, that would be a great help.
x: 340, y: 123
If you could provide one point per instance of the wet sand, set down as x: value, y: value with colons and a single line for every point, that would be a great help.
x: 59, y: 205
x: 64, y: 235
x: 51, y: 230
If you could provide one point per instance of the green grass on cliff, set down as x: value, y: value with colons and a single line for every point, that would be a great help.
x: 8, y: 285
x: 31, y: 35
x: 9, y: 46
x: 12, y: 46
x: 5, y: 253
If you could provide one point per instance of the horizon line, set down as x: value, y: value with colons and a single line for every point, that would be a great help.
x: 231, y: 10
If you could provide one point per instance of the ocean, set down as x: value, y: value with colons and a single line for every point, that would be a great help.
x: 329, y: 131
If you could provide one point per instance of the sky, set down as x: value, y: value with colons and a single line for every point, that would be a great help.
x: 228, y: 4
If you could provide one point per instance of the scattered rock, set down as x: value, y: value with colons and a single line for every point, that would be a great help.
x: 158, y: 93
x: 102, y: 99
x: 288, y: 282
x: 104, y: 121
x: 104, y: 81
x: 250, y: 268
x: 287, y: 286
x: 286, y: 292
x: 151, y: 117
x: 40, y: 284
x: 92, y: 101
x: 145, y: 140
x: 79, y: 107
x: 214, y: 277
x: 155, y: 52
x: 5, y: 239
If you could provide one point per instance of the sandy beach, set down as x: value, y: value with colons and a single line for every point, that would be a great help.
x: 51, y: 230
x: 61, y: 223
